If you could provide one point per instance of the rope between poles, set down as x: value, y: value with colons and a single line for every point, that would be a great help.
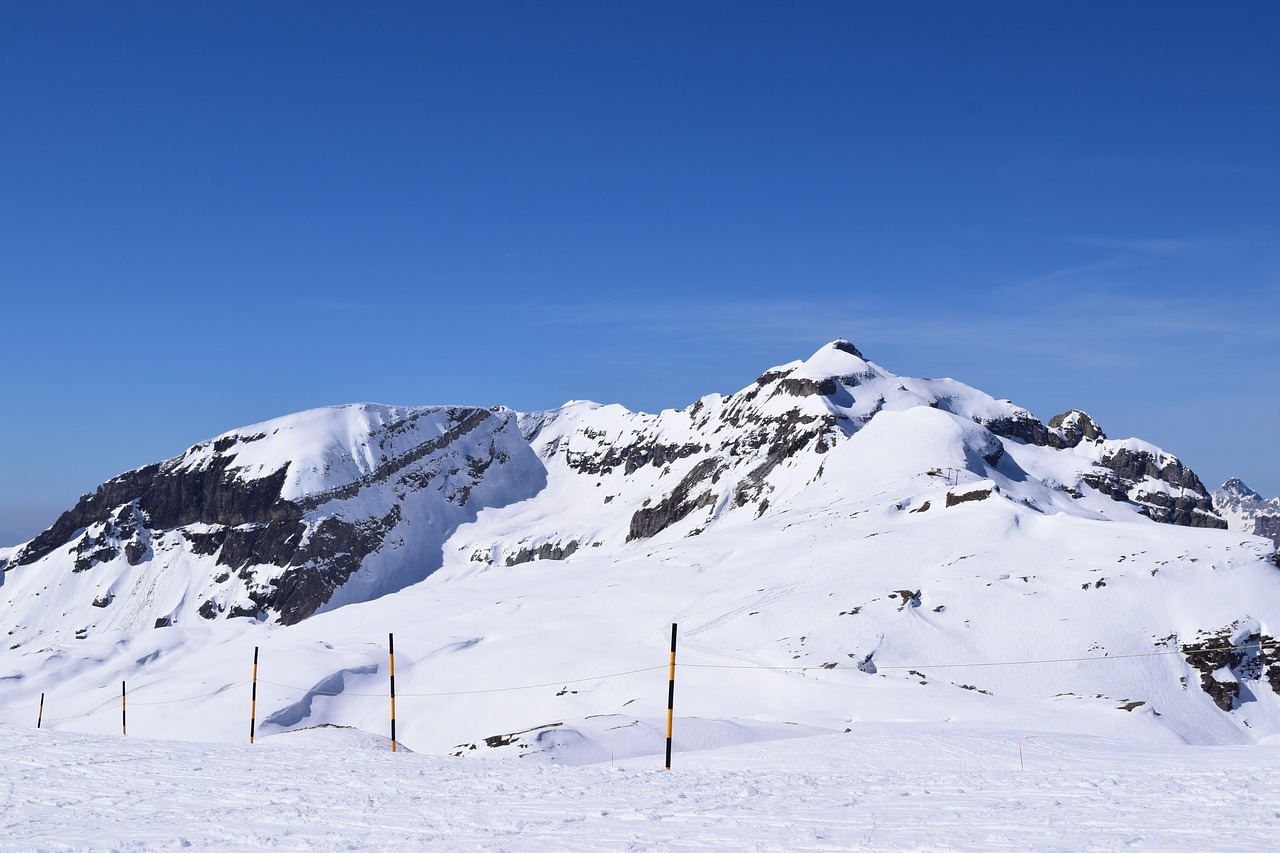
x: 111, y: 706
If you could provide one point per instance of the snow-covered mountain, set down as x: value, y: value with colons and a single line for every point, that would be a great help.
x: 1247, y: 511
x: 852, y: 543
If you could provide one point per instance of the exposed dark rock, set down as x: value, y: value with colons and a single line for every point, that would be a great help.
x: 782, y: 438
x: 332, y: 553
x: 1137, y: 465
x: 1074, y: 426
x: 204, y: 544
x: 514, y: 738
x: 771, y: 376
x: 1185, y: 510
x: 545, y: 551
x: 87, y: 559
x: 1021, y: 426
x: 648, y: 521
x: 1245, y: 660
x: 1107, y: 482
x: 136, y: 551
x: 214, y: 495
x: 209, y: 610
x: 238, y: 610
x: 1192, y: 507
x: 262, y: 544
x: 845, y: 346
x: 1268, y: 526
x: 103, y: 600
x: 909, y: 598
x: 631, y: 457
x: 966, y: 497
x: 1065, y: 430
x: 805, y: 387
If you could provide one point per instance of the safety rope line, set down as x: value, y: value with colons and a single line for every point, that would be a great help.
x: 1092, y: 659
x: 467, y: 692
x: 111, y: 707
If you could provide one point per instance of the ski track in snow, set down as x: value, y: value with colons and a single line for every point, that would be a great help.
x: 881, y: 787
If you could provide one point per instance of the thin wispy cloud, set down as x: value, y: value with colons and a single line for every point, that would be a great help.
x: 1149, y: 246
x: 1083, y: 327
x: 1161, y: 166
x: 340, y: 305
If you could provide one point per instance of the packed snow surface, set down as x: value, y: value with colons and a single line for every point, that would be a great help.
x: 879, y: 787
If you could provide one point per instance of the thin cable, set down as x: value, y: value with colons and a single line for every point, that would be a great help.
x: 468, y: 692
x: 189, y: 698
x: 1181, y: 651
x: 1040, y: 662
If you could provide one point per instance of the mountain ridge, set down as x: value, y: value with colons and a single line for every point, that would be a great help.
x: 829, y: 516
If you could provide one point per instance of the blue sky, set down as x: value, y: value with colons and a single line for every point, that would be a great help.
x: 216, y: 213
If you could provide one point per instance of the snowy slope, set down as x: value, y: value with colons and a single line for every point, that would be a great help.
x: 879, y: 788
x: 838, y: 545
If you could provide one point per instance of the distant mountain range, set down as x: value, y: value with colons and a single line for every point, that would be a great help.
x: 829, y: 484
x: 1246, y: 510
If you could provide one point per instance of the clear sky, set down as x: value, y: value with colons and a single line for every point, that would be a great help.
x: 216, y: 213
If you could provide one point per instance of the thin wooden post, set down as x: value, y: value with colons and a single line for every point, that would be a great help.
x: 123, y: 730
x: 671, y: 692
x: 40, y: 716
x: 253, y: 696
x: 391, y: 649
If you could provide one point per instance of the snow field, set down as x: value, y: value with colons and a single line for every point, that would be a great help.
x: 879, y: 787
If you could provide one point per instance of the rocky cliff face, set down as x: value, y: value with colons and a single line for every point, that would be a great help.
x: 313, y: 511
x: 273, y: 521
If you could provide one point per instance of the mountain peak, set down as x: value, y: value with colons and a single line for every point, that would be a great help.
x: 1247, y: 511
x: 836, y: 360
x: 1236, y: 487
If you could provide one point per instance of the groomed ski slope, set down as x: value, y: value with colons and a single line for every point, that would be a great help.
x: 879, y: 787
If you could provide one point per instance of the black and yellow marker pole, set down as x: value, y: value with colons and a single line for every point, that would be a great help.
x: 123, y: 728
x: 40, y: 716
x: 253, y: 696
x: 671, y: 692
x: 391, y: 649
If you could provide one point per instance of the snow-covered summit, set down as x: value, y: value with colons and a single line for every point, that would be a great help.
x: 1247, y: 511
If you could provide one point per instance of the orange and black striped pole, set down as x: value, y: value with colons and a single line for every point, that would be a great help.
x: 123, y: 730
x: 40, y: 716
x: 671, y: 692
x: 253, y: 696
x: 391, y: 649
